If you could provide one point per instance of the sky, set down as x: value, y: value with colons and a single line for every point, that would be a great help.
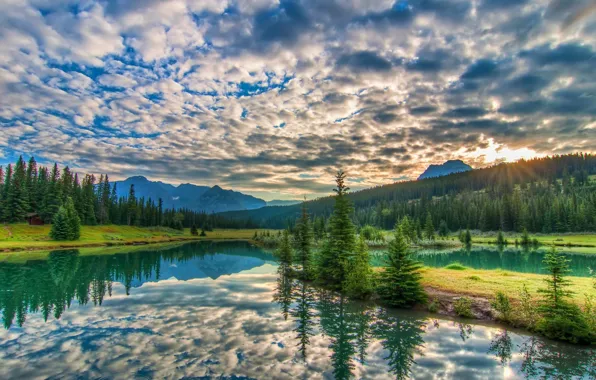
x: 273, y: 97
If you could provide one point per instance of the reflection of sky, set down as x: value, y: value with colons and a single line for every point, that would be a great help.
x: 225, y: 327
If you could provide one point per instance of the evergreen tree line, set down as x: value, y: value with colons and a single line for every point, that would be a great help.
x: 543, y: 195
x: 26, y: 187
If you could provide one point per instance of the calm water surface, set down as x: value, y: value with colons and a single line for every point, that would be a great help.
x: 512, y: 259
x: 222, y: 311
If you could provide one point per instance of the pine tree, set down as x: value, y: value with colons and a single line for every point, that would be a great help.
x: 303, y: 242
x: 193, y: 230
x: 52, y: 196
x: 399, y: 283
x: 358, y: 282
x: 561, y: 320
x: 132, y: 205
x: 429, y: 229
x: 60, y: 229
x: 31, y: 184
x: 339, y: 247
x: 443, y: 229
x: 285, y: 253
x: 1, y: 192
x: 74, y: 222
x: 16, y: 201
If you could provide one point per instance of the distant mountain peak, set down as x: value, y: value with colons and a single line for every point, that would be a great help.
x: 189, y: 196
x: 448, y: 167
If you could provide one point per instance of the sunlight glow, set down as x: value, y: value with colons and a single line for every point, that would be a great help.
x: 496, y: 152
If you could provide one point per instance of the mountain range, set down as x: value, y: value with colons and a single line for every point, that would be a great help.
x: 446, y: 168
x: 197, y: 198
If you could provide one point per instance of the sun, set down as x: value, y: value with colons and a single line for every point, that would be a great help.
x: 496, y: 152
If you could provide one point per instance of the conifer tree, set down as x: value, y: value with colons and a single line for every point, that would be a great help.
x: 194, y: 231
x: 303, y: 241
x: 339, y: 247
x: 52, y: 196
x: 284, y: 253
x: 429, y: 229
x: 73, y: 220
x: 399, y: 283
x: 443, y: 229
x: 132, y: 205
x: 60, y: 229
x: 31, y: 184
x: 16, y: 201
x: 1, y: 192
x: 358, y: 282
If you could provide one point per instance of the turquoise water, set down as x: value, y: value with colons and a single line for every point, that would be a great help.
x: 222, y: 311
x: 512, y: 259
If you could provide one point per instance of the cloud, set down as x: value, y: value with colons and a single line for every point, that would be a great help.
x: 198, y: 91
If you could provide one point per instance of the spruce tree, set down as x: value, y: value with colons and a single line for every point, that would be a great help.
x: 16, y: 201
x: 74, y: 222
x: 193, y: 230
x: 31, y: 184
x: 359, y: 279
x: 60, y: 228
x: 132, y: 205
x: 339, y: 247
x: 399, y: 283
x: 1, y: 193
x: 429, y: 229
x: 443, y: 229
x: 561, y: 320
x: 52, y: 196
x: 284, y: 253
x: 303, y: 242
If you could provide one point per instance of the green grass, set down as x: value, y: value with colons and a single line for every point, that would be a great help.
x: 485, y: 283
x: 561, y: 240
x: 18, y: 237
x: 456, y: 266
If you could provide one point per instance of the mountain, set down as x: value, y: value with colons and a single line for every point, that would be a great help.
x: 449, y: 167
x: 277, y: 202
x: 197, y: 198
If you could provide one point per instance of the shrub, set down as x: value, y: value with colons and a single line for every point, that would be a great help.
x: 502, y: 305
x: 433, y: 306
x: 474, y: 278
x: 463, y: 307
x: 528, y: 310
x: 456, y: 266
x: 566, y: 324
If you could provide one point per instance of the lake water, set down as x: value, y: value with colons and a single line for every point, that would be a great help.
x: 222, y: 311
x: 512, y: 259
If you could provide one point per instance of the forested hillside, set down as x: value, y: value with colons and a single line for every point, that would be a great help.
x: 26, y: 188
x: 551, y: 194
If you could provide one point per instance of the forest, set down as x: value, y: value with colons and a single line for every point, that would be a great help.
x: 543, y: 195
x: 27, y: 188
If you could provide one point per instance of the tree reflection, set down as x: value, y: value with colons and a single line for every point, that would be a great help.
x: 49, y: 286
x: 501, y: 346
x: 303, y: 314
x: 402, y: 338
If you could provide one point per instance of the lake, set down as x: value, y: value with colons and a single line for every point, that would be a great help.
x: 487, y: 257
x: 221, y: 310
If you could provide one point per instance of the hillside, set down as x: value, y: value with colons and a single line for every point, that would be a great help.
x: 189, y: 196
x: 552, y: 194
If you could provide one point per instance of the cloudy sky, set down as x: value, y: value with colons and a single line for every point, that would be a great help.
x: 271, y: 97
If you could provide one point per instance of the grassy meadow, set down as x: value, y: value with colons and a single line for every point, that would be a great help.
x: 20, y: 237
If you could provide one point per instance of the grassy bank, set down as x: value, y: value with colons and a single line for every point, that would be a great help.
x: 586, y: 240
x: 22, y: 237
x: 485, y: 283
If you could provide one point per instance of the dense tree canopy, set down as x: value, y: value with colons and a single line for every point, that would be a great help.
x: 28, y: 188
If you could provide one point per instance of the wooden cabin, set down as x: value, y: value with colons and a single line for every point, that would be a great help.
x: 34, y: 219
